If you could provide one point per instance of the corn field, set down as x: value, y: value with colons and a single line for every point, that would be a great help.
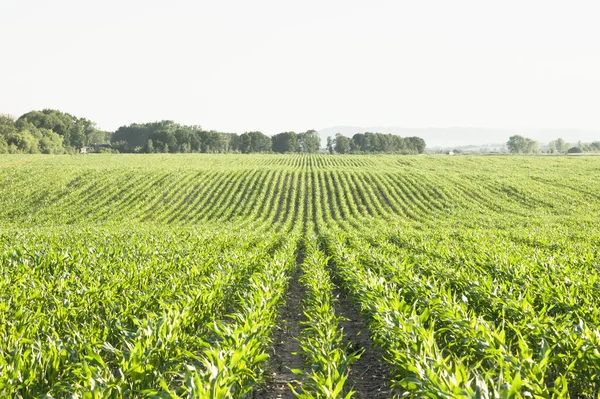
x: 171, y: 276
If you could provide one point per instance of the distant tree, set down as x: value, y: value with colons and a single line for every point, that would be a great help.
x: 173, y: 137
x: 96, y: 136
x: 369, y: 142
x: 149, y: 149
x: 558, y: 146
x: 185, y: 148
x: 57, y: 121
x: 361, y: 142
x: 585, y: 147
x: 251, y: 142
x: 308, y: 142
x: 121, y: 147
x: 341, y: 144
x: 212, y: 141
x: 516, y: 144
x: 183, y: 139
x: 595, y: 146
x: 92, y: 134
x: 135, y: 135
x: 244, y: 143
x: 575, y: 150
x: 48, y: 141
x: 415, y: 144
x: 329, y: 145
x: 521, y: 145
x: 284, y: 142
x: 163, y: 136
x: 3, y: 145
x: 379, y: 142
x: 76, y: 132
x: 533, y: 147
x: 7, y: 125
x: 22, y: 142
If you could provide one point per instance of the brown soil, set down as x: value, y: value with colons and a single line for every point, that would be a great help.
x: 369, y: 375
x: 286, y: 348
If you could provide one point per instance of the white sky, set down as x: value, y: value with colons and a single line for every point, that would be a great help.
x: 279, y: 65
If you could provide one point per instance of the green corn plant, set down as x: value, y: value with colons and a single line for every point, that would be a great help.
x: 329, y: 359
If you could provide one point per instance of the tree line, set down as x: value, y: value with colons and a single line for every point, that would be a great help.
x: 518, y: 144
x: 375, y: 143
x: 54, y: 132
x: 168, y: 136
x: 47, y: 132
x: 171, y: 137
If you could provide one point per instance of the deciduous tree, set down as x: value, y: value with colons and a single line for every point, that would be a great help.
x: 522, y: 145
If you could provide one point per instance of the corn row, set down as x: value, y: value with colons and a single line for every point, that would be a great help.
x: 329, y: 359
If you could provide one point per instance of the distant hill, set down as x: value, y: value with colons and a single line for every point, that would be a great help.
x: 464, y: 136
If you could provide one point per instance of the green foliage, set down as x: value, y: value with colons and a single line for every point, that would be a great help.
x: 558, y: 146
x: 49, y: 142
x: 162, y: 276
x: 285, y: 142
x: 168, y: 136
x: 149, y: 149
x: 251, y: 142
x: 327, y: 356
x: 150, y: 322
x: 22, y: 142
x: 521, y: 145
x: 3, y: 146
x: 47, y: 132
x: 330, y: 145
x: 341, y: 144
x: 575, y: 150
x: 75, y: 132
x: 7, y: 125
x: 378, y: 143
x: 134, y: 135
x: 32, y: 141
x: 308, y: 142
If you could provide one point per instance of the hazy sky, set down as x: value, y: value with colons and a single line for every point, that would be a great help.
x: 279, y: 65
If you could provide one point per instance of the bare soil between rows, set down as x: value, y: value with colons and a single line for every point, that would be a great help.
x: 369, y: 375
x: 285, y: 354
